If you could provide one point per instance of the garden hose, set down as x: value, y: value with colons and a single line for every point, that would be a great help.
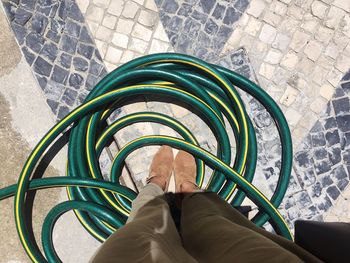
x: 103, y: 206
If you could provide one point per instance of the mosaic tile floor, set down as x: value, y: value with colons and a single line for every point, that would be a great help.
x: 71, y: 45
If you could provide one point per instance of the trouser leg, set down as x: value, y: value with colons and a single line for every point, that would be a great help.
x: 149, y: 236
x: 212, y: 231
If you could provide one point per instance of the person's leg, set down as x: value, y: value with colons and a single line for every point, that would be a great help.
x: 212, y: 231
x: 150, y: 234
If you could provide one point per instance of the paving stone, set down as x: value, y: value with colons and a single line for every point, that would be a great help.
x: 22, y: 16
x: 130, y: 9
x: 53, y: 36
x: 62, y: 112
x: 59, y: 74
x: 147, y: 18
x: 76, y: 80
x: 69, y: 96
x: 231, y: 16
x: 53, y: 105
x: 74, y: 12
x: 219, y: 11
x: 42, y: 67
x: 343, y: 123
x: 49, y: 51
x: 333, y: 192
x: 334, y: 155
x: 313, y: 50
x: 267, y: 34
x: 91, y: 81
x: 39, y: 23
x: 80, y: 64
x: 84, y: 36
x: 68, y: 44
x: 109, y: 21
x: 170, y: 6
x: 72, y: 29
x: 65, y: 60
x: 113, y: 55
x: 86, y: 50
x: 323, y: 167
x: 29, y: 56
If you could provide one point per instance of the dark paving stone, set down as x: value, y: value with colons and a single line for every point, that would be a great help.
x: 42, y: 81
x: 65, y: 60
x: 29, y: 56
x: 53, y: 105
x: 316, y: 190
x: 330, y: 123
x: 95, y: 67
x: 62, y: 112
x: 325, y: 204
x: 323, y: 167
x: 49, y: 51
x: 206, y: 5
x: 303, y: 199
x: 318, y: 139
x: 69, y: 96
x: 60, y: 75
x: 34, y: 41
x: 211, y: 27
x: 91, y: 81
x: 219, y: 11
x: 333, y: 192
x: 185, y: 10
x: 28, y: 4
x: 39, y: 23
x: 170, y: 6
x: 341, y: 106
x: 198, y: 16
x: 343, y: 123
x: 342, y: 184
x: 72, y: 29
x: 86, y: 50
x: 57, y: 26
x: 42, y: 67
x: 20, y: 33
x: 10, y: 10
x: 68, y: 44
x: 241, y: 5
x: 231, y: 16
x: 332, y: 137
x: 320, y: 154
x: 80, y: 64
x: 339, y: 173
x: 346, y: 86
x: 76, y: 80
x: 175, y: 23
x: 334, y: 155
x: 85, y: 36
x: 53, y: 36
x: 22, y: 16
x: 74, y: 12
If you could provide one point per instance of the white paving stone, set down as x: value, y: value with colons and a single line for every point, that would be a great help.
x: 147, y: 18
x: 319, y: 9
x: 253, y: 26
x: 116, y: 7
x: 124, y: 26
x: 83, y: 5
x: 160, y: 33
x: 120, y: 40
x: 256, y: 7
x: 150, y: 4
x: 138, y: 45
x: 101, y: 3
x: 281, y: 42
x: 318, y: 105
x: 273, y: 56
x: 313, y: 50
x: 299, y: 40
x: 343, y: 4
x: 327, y: 91
x: 266, y: 70
x: 95, y: 13
x: 324, y: 35
x: 127, y: 56
x: 267, y: 34
x: 130, y: 9
x: 334, y: 16
x: 109, y: 21
x: 158, y: 46
x: 343, y: 63
x: 141, y: 32
x: 103, y: 33
x: 113, y: 55
x: 289, y: 96
x: 290, y: 60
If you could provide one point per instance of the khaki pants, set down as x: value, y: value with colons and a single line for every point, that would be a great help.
x: 211, y: 231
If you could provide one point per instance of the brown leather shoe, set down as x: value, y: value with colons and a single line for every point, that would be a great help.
x: 185, y: 173
x: 161, y: 167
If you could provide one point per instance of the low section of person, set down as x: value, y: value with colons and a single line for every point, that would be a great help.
x: 210, y: 229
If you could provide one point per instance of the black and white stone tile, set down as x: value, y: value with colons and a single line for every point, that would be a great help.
x: 200, y: 27
x: 57, y: 45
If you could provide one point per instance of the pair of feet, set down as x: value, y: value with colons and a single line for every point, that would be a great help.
x: 184, y: 167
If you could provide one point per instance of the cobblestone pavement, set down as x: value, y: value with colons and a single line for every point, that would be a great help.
x: 298, y: 51
x: 57, y: 45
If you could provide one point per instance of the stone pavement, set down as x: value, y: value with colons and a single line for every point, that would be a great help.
x: 297, y: 50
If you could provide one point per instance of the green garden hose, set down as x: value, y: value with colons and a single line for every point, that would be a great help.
x: 103, y: 206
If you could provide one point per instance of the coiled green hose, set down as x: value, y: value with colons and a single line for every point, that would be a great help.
x: 103, y: 206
